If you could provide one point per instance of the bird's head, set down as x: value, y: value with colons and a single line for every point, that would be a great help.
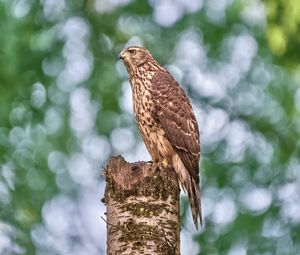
x: 134, y: 56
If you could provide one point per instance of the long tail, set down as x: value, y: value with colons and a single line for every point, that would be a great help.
x: 193, y: 190
x: 190, y: 186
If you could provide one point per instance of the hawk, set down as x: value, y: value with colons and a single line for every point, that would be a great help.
x: 166, y: 121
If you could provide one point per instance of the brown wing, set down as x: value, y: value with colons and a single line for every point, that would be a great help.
x: 177, y: 118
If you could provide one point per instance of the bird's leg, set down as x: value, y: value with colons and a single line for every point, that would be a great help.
x: 165, y: 163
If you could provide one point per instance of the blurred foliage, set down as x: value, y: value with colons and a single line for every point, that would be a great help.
x: 65, y: 108
x: 283, y: 30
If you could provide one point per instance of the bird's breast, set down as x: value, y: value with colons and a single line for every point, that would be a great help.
x: 143, y: 105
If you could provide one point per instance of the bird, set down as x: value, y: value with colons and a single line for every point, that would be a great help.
x: 166, y: 121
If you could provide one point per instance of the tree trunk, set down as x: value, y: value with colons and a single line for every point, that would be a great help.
x: 142, y: 202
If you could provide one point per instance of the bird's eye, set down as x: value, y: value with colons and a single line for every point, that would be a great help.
x: 132, y: 52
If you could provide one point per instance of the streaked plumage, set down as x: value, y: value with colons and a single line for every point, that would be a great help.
x: 166, y: 120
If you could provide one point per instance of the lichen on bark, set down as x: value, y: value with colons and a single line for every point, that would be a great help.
x: 142, y: 203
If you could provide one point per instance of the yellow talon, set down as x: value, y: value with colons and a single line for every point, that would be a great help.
x: 165, y: 162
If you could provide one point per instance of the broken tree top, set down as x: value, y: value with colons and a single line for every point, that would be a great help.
x: 142, y: 202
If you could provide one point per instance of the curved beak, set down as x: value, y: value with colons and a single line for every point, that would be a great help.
x: 121, y: 55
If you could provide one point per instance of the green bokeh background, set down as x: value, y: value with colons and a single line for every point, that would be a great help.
x: 65, y: 109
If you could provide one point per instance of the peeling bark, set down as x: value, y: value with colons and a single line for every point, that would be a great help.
x: 142, y: 208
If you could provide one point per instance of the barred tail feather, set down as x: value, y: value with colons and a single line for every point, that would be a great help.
x: 190, y: 186
x: 193, y: 190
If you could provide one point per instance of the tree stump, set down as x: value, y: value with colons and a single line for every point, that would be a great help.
x: 142, y: 201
